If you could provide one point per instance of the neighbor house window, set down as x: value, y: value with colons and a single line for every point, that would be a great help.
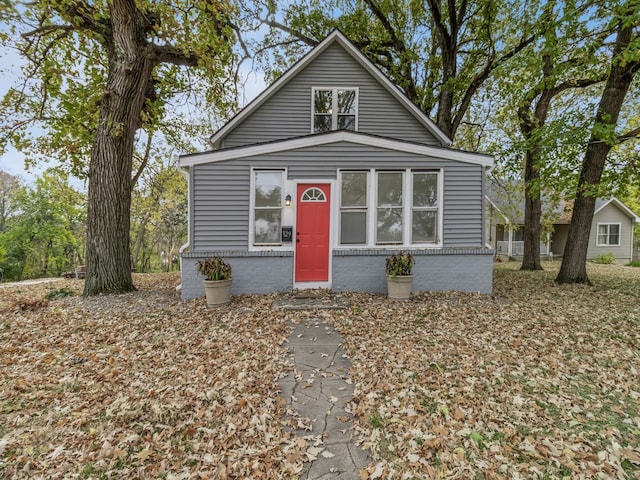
x: 390, y: 207
x: 334, y: 109
x: 267, y: 206
x: 608, y: 234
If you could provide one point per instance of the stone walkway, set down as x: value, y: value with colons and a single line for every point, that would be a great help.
x: 317, y: 393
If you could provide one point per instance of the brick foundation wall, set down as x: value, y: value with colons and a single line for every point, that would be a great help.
x: 464, y: 270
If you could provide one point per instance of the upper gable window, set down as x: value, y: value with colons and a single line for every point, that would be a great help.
x: 335, y: 109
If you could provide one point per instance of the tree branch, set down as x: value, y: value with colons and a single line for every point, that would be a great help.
x: 145, y: 160
x: 294, y: 33
x: 484, y: 74
x: 170, y: 54
x: 630, y: 135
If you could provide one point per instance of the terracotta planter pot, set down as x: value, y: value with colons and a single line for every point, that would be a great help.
x: 399, y: 288
x: 218, y: 292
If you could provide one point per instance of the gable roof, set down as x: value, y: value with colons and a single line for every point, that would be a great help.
x: 336, y: 36
x: 334, y: 137
x: 602, y: 203
x: 561, y: 211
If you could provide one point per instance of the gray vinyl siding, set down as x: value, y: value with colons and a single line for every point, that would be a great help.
x: 220, y: 206
x: 287, y: 113
x: 612, y: 214
x: 221, y: 190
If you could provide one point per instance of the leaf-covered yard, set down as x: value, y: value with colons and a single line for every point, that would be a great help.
x: 536, y: 381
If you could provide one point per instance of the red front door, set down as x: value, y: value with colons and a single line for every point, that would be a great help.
x: 312, y: 232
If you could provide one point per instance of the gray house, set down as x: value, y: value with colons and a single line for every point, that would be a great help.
x: 326, y: 173
x: 611, y: 229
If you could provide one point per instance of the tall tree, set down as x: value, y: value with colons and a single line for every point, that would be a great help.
x: 439, y: 52
x: 564, y: 58
x: 625, y: 64
x: 127, y: 59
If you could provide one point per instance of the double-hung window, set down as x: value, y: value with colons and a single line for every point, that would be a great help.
x: 267, y: 206
x: 353, y: 208
x: 608, y: 234
x: 379, y: 208
x: 334, y: 109
x: 389, y: 207
x: 424, y: 207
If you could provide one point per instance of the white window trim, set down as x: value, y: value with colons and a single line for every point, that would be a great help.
x: 374, y: 205
x: 608, y: 235
x: 334, y: 108
x: 252, y: 197
x: 438, y: 208
x: 338, y: 210
x: 372, y: 186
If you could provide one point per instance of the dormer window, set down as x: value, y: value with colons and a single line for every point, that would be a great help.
x: 335, y: 109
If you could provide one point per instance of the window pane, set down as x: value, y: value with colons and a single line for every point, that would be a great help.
x: 268, y: 189
x: 354, y: 189
x: 424, y: 227
x: 389, y: 225
x: 321, y: 123
x: 425, y: 190
x: 347, y: 101
x: 267, y: 226
x: 322, y: 101
x: 389, y: 189
x: 346, y: 122
x: 353, y: 228
x: 614, y: 234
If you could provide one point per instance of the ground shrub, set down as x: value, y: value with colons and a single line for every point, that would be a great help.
x: 605, y: 259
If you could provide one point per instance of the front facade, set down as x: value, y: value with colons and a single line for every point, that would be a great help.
x: 324, y: 175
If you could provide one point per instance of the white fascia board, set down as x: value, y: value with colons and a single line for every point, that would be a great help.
x: 621, y: 206
x: 336, y: 35
x: 334, y: 137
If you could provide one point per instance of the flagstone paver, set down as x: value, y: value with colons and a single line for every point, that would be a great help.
x: 317, y: 392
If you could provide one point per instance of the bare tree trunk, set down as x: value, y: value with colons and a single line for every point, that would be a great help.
x: 574, y: 261
x: 109, y: 202
x: 532, y: 215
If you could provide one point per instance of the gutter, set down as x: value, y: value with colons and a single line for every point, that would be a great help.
x: 187, y: 174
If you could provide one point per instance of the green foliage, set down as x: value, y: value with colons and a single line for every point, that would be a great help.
x: 159, y: 214
x: 59, y: 293
x: 63, y: 81
x: 214, y: 268
x: 605, y: 259
x: 633, y: 263
x: 399, y: 264
x: 44, y: 235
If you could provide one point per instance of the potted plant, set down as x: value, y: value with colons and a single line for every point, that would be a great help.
x: 217, y: 283
x: 399, y: 276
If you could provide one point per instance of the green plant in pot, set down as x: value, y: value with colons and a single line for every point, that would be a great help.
x: 217, y: 283
x: 399, y: 268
